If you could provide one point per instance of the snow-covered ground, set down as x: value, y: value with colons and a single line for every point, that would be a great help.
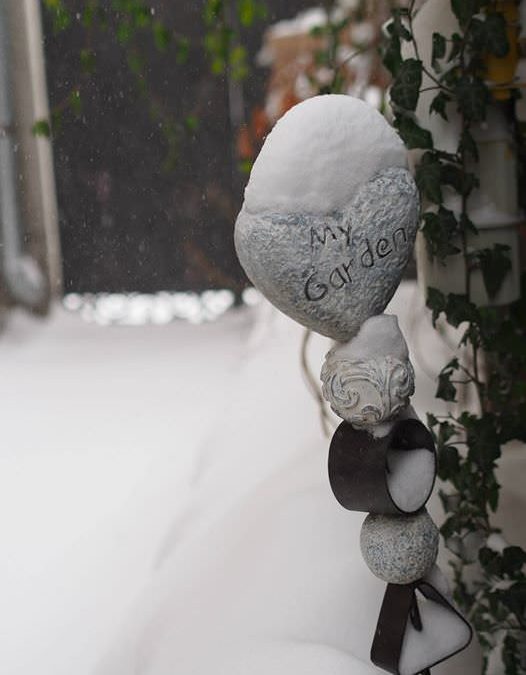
x: 164, y: 506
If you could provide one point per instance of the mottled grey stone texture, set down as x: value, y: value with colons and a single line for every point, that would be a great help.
x: 399, y: 549
x: 332, y: 272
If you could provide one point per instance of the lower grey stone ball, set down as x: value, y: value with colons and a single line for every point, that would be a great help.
x: 399, y: 549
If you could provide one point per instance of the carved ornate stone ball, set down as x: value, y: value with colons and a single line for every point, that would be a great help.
x: 330, y: 215
x: 399, y: 549
x: 369, y: 380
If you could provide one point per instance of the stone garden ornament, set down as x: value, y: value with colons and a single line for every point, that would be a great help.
x: 326, y: 229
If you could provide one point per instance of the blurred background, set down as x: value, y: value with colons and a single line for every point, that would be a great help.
x: 156, y: 112
x: 127, y: 133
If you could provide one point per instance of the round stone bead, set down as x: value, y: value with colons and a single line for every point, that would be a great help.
x: 399, y: 549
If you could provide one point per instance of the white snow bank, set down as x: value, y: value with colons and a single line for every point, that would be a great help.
x: 165, y: 506
x: 263, y: 574
x: 100, y: 429
x: 348, y: 142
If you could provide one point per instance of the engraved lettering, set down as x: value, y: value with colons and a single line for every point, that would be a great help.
x: 346, y: 267
x: 403, y: 236
x: 336, y: 279
x: 347, y: 232
x: 321, y: 238
x: 382, y: 248
x: 314, y: 290
x: 366, y: 258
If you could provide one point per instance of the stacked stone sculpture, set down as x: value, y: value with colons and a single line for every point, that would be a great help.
x: 325, y: 232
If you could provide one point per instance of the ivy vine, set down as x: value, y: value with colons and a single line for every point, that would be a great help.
x: 469, y: 445
x: 132, y: 24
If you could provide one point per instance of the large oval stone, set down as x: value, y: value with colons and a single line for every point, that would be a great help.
x: 332, y: 272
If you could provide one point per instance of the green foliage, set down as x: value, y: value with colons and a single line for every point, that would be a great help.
x: 472, y: 98
x: 495, y: 265
x: 438, y: 50
x: 469, y: 445
x: 250, y: 11
x: 61, y: 16
x: 441, y: 229
x: 439, y: 103
x: 412, y: 134
x: 222, y: 39
x: 87, y: 60
x: 428, y: 177
x: 130, y: 23
x: 42, y: 128
x: 406, y: 86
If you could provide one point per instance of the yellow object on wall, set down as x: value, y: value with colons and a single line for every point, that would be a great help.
x: 501, y: 70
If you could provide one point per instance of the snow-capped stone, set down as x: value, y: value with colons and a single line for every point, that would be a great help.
x: 399, y: 549
x: 330, y: 215
x: 319, y: 154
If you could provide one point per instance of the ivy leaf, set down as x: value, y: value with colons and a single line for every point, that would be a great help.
x: 428, y: 177
x: 513, y: 559
x: 492, y: 492
x: 124, y: 32
x: 461, y: 181
x: 213, y: 11
x: 412, y: 134
x: 161, y: 36
x: 87, y: 60
x: 61, y: 16
x: 495, y: 265
x: 490, y: 35
x: 446, y: 389
x: 318, y: 31
x: 448, y: 528
x: 490, y: 560
x: 511, y: 655
x: 75, y: 102
x: 191, y: 123
x: 467, y: 225
x: 438, y: 104
x: 467, y: 145
x: 483, y: 443
x: 249, y: 11
x: 392, y: 56
x: 431, y: 419
x: 406, y: 87
x: 472, y: 98
x: 464, y: 10
x: 457, y: 42
x: 436, y: 302
x: 440, y: 229
x: 448, y: 460
x: 238, y: 62
x: 183, y: 50
x: 496, y: 35
x: 459, y: 309
x: 41, y: 128
x: 438, y: 50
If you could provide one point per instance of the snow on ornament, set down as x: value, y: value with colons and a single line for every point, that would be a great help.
x: 368, y: 380
x: 330, y: 215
